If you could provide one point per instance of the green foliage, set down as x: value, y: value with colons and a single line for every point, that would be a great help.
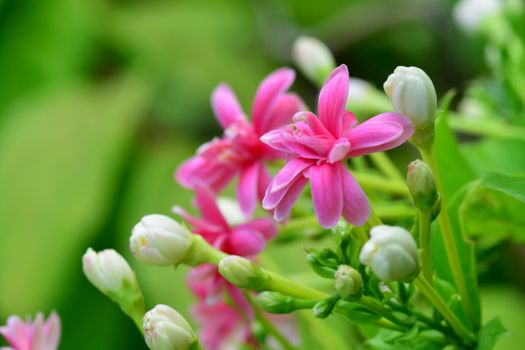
x: 491, y: 332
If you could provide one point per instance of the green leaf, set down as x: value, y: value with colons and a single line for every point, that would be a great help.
x: 512, y: 185
x: 489, y: 335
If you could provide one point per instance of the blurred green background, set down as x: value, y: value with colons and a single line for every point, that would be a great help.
x: 100, y: 100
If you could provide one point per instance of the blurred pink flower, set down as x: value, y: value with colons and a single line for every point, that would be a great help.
x: 240, y: 150
x: 317, y: 148
x: 32, y: 335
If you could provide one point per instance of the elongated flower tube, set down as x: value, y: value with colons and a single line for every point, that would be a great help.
x: 160, y: 240
x: 166, y: 329
x: 240, y: 151
x: 317, y: 149
x: 313, y: 58
x: 391, y: 252
x: 38, y: 334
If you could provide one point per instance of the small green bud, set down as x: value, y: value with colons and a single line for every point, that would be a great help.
x: 421, y: 185
x: 348, y: 283
x: 323, y: 308
x: 242, y: 272
x: 391, y: 253
x: 275, y: 302
x: 313, y: 58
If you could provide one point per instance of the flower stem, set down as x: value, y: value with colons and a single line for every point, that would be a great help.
x: 380, y: 183
x: 435, y: 299
x: 429, y: 156
x: 373, y: 305
x: 424, y: 243
x: 387, y: 167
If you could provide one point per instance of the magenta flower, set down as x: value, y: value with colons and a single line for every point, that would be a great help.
x: 240, y: 150
x: 32, y: 335
x: 317, y: 149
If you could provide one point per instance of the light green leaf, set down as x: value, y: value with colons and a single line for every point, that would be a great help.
x: 512, y: 185
x: 489, y: 335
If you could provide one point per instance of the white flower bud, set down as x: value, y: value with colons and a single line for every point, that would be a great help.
x: 166, y: 329
x: 391, y: 252
x: 348, y: 282
x: 412, y: 94
x: 160, y: 240
x: 314, y: 58
x: 471, y: 14
x: 108, y: 271
x: 242, y: 272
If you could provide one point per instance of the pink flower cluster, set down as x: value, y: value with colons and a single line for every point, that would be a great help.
x: 32, y: 335
x: 315, y: 149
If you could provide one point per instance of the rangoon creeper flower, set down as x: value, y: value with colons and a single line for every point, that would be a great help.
x: 317, y: 148
x: 32, y: 335
x: 166, y: 329
x: 391, y: 253
x: 412, y: 93
x: 160, y: 240
x: 313, y: 57
x: 240, y: 151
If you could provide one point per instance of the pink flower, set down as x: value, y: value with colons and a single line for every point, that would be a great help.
x: 32, y: 335
x: 317, y: 149
x: 240, y: 150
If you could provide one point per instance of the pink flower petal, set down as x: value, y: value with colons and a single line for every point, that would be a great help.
x: 245, y: 242
x: 349, y: 121
x: 205, y: 201
x: 197, y: 170
x: 293, y: 191
x: 277, y: 139
x: 282, y: 112
x: 207, y: 229
x: 339, y: 150
x: 264, y: 182
x: 268, y: 93
x: 356, y: 208
x: 283, y: 180
x: 225, y: 106
x: 265, y: 226
x: 247, y: 188
x: 332, y: 100
x: 327, y: 194
x: 380, y: 133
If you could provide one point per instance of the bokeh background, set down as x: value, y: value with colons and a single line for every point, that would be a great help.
x: 100, y: 100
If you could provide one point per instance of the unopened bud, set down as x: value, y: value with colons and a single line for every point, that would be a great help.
x: 242, y: 272
x: 275, y: 302
x: 324, y: 308
x: 166, y: 329
x: 348, y: 282
x: 112, y: 275
x: 160, y: 240
x: 313, y: 58
x: 471, y: 15
x: 412, y: 93
x: 421, y: 185
x: 391, y: 252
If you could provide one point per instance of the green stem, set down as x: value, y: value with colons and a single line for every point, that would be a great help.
x: 429, y: 156
x: 278, y: 283
x: 486, y: 127
x: 387, y: 167
x: 424, y: 243
x: 380, y: 183
x: 268, y: 326
x: 435, y: 299
x: 373, y: 305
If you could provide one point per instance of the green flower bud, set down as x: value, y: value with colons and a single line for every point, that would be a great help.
x: 166, y: 329
x: 391, y: 253
x: 324, y: 308
x: 421, y: 185
x: 242, y: 272
x: 313, y: 58
x: 348, y: 283
x: 275, y: 302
